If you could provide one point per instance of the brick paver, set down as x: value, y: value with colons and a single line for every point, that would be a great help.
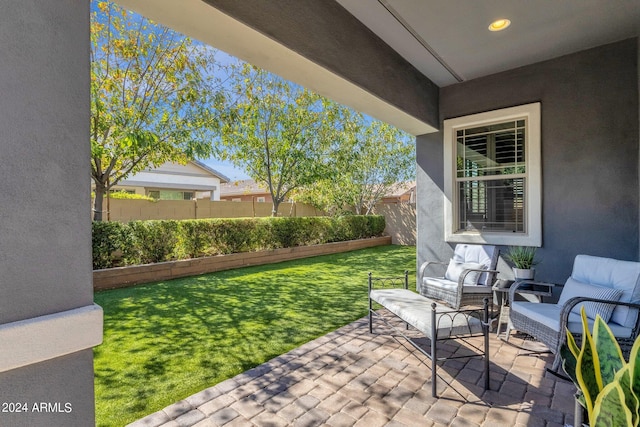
x: 353, y: 378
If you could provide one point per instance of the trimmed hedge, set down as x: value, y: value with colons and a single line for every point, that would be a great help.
x: 143, y: 242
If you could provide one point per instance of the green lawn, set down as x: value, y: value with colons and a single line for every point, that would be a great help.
x: 168, y: 340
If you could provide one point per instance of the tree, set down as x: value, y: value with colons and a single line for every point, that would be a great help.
x: 279, y: 132
x: 153, y: 97
x: 371, y: 159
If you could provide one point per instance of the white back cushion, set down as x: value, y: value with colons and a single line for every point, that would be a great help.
x: 613, y: 273
x: 455, y: 269
x: 573, y: 288
x: 486, y: 255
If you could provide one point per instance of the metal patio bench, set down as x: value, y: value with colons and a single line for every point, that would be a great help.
x: 435, y: 321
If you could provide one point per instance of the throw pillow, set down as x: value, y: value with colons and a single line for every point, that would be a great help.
x: 574, y: 288
x: 455, y: 269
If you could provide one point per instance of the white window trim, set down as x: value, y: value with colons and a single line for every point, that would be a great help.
x: 533, y: 236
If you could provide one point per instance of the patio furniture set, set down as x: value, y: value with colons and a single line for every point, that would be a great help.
x: 455, y: 306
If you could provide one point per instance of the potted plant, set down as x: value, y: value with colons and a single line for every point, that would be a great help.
x: 523, y: 259
x: 608, y: 386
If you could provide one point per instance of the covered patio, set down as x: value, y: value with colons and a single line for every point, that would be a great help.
x: 415, y: 64
x: 350, y: 377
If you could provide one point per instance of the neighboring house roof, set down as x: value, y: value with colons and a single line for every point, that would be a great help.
x: 401, y: 188
x: 223, y: 178
x: 194, y: 175
x: 401, y: 192
x: 242, y: 188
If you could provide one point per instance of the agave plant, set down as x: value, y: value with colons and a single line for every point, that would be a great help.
x: 608, y: 386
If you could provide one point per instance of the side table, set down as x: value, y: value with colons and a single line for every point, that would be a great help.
x: 538, y: 290
x: 501, y: 291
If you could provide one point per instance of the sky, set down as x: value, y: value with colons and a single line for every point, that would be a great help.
x: 227, y: 169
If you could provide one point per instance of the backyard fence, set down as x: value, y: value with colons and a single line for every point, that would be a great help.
x: 400, y: 217
x: 125, y: 210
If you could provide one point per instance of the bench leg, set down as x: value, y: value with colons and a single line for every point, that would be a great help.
x: 485, y: 329
x: 434, y: 360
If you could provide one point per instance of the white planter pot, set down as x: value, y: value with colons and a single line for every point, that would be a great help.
x: 524, y: 273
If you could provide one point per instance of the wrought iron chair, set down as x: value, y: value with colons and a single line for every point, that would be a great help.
x: 606, y: 287
x: 467, y: 279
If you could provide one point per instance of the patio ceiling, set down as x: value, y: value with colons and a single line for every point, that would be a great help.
x: 456, y: 31
x: 441, y: 43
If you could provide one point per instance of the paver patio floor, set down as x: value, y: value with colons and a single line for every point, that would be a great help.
x: 350, y: 377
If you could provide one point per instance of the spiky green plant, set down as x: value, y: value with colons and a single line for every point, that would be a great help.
x: 522, y: 256
x: 608, y: 386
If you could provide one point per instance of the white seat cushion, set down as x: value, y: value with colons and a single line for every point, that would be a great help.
x: 416, y: 310
x: 549, y: 315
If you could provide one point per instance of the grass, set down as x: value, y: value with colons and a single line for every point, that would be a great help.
x: 168, y: 340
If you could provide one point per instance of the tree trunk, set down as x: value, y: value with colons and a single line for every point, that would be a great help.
x: 274, y: 210
x: 97, y: 204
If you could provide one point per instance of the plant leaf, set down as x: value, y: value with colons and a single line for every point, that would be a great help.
x: 634, y: 376
x: 587, y: 368
x: 623, y: 378
x: 569, y: 361
x: 610, y: 409
x: 610, y: 356
x: 571, y: 343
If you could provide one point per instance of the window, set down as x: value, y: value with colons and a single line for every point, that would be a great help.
x: 260, y: 199
x: 171, y: 195
x: 493, y: 177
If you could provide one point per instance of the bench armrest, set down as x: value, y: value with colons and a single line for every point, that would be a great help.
x: 401, y: 282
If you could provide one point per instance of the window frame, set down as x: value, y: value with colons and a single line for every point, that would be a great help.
x: 533, y: 181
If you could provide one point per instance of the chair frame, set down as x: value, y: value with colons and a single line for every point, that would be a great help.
x: 554, y: 339
x: 457, y: 298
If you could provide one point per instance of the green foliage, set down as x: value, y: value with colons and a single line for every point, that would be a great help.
x: 168, y: 340
x: 143, y: 242
x: 110, y: 241
x: 153, y: 241
x: 154, y: 97
x: 522, y: 256
x: 608, y: 385
x: 129, y: 196
x: 278, y: 130
x: 367, y: 160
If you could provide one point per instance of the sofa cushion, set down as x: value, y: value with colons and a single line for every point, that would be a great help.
x: 623, y: 275
x: 417, y: 311
x: 549, y: 315
x: 455, y: 269
x: 486, y: 255
x: 574, y: 288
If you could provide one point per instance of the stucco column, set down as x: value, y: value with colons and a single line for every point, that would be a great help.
x: 48, y: 323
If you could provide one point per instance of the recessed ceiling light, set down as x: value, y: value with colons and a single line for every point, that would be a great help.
x: 499, y: 24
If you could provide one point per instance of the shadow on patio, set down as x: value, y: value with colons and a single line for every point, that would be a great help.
x: 351, y: 377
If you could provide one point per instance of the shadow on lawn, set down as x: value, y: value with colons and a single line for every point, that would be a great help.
x: 167, y: 340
